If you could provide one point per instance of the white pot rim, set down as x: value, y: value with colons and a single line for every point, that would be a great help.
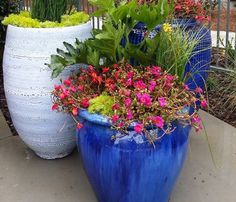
x: 50, y: 28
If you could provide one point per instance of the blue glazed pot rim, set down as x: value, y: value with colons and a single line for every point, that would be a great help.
x: 105, y: 121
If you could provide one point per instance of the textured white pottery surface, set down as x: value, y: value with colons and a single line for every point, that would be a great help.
x: 28, y: 86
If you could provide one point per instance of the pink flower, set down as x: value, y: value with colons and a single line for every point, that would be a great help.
x: 162, y: 101
x: 129, y: 82
x: 81, y: 88
x: 55, y: 107
x: 198, y: 90
x: 169, y: 78
x: 204, y: 103
x: 85, y: 102
x: 62, y: 96
x: 67, y: 82
x: 79, y: 125
x: 127, y: 93
x: 115, y: 118
x: 140, y: 85
x: 196, y: 119
x: 121, y: 124
x: 186, y: 87
x: 130, y: 75
x: 138, y: 128
x: 75, y: 111
x: 105, y: 70
x: 152, y: 85
x: 128, y: 102
x: 144, y: 99
x: 115, y: 106
x: 129, y: 115
x: 73, y: 89
x: 57, y: 87
x: 155, y: 70
x: 159, y: 121
x: 178, y: 7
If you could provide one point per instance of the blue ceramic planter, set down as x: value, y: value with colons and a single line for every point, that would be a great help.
x: 130, y: 169
x: 199, y: 64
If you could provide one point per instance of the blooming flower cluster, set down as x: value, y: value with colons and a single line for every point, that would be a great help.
x: 142, y: 97
x: 200, y: 9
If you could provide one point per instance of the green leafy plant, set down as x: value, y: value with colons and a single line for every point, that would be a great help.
x: 170, y: 48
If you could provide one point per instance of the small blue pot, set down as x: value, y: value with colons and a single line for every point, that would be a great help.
x: 198, y: 67
x: 129, y: 169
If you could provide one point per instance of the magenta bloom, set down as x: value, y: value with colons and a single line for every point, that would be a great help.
x: 144, y: 99
x: 57, y: 87
x: 129, y: 82
x: 186, y: 87
x: 128, y: 102
x: 80, y: 88
x: 67, y: 82
x: 79, y: 126
x: 140, y: 85
x: 169, y: 78
x: 155, y: 70
x: 73, y: 89
x: 115, y: 118
x: 152, y: 85
x: 159, y: 121
x: 196, y: 120
x: 198, y: 90
x: 204, y: 103
x: 138, y: 128
x: 130, y: 74
x: 129, y: 115
x: 116, y: 106
x: 55, y: 106
x: 162, y: 101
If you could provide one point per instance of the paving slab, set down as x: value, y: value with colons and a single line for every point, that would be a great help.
x: 4, y: 129
x: 25, y: 177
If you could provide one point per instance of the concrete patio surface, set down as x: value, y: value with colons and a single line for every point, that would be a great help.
x: 25, y: 177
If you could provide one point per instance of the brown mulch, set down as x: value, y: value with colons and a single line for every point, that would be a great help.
x: 223, y: 19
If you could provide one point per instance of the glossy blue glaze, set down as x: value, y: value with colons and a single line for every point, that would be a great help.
x: 130, y: 169
x: 199, y: 64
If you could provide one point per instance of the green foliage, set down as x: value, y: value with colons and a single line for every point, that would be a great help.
x: 212, y: 83
x: 105, y: 47
x: 102, y: 105
x: 48, y: 10
x: 24, y: 20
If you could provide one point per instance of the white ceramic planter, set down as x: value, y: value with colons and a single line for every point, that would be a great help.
x: 28, y: 86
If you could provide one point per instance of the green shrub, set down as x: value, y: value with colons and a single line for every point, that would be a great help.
x: 24, y: 19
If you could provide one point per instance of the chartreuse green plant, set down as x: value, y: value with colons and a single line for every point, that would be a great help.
x: 24, y: 19
x: 169, y: 48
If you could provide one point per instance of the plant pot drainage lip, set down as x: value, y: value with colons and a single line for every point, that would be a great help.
x: 50, y: 28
